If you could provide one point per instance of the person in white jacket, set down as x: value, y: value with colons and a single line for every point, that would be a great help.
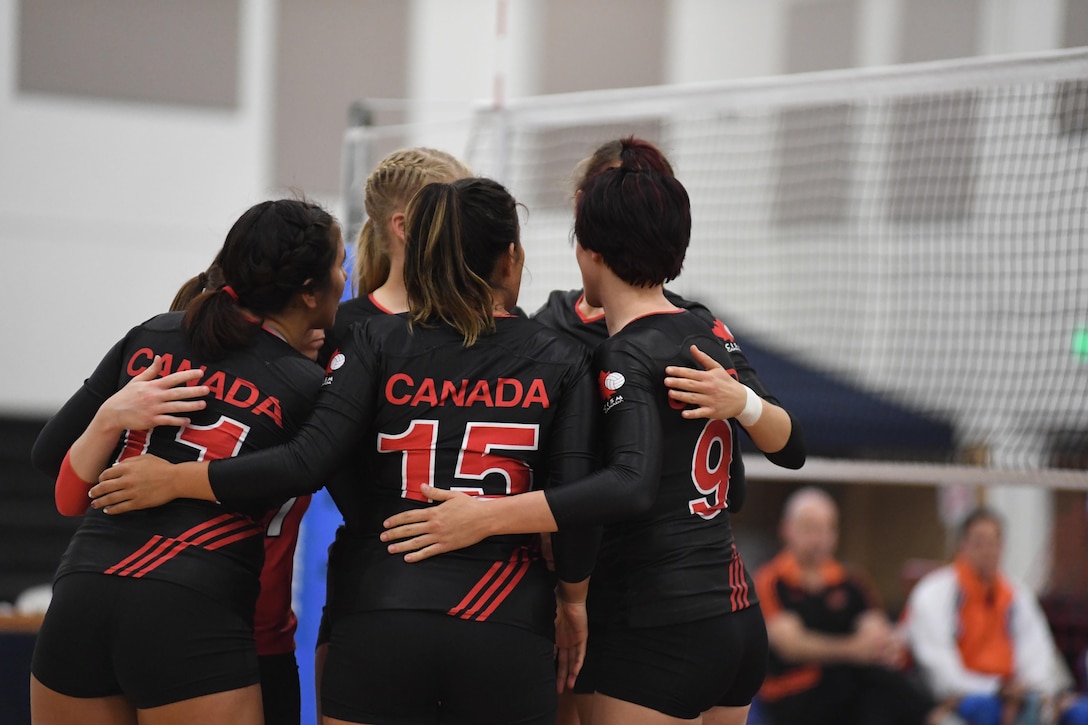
x: 982, y: 640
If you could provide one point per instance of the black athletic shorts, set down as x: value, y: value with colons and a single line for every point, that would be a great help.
x: 280, y: 691
x: 414, y: 667
x: 683, y: 669
x: 152, y: 641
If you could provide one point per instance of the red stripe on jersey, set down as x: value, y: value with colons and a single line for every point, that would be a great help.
x: 744, y: 580
x: 238, y: 523
x: 175, y: 548
x: 158, y: 550
x: 734, y: 599
x: 210, y: 523
x: 195, y: 530
x: 737, y: 576
x: 494, y: 584
x: 141, y: 556
x: 578, y: 311
x: 507, y: 572
x: 495, y: 576
x: 379, y: 305
x: 732, y: 587
x: 518, y: 576
x: 231, y: 539
x: 136, y: 554
x: 475, y: 589
x: 738, y: 597
x: 180, y: 545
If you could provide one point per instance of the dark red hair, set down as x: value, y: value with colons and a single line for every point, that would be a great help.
x: 637, y: 216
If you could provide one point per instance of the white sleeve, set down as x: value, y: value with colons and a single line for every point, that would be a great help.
x: 931, y: 628
x: 1038, y: 664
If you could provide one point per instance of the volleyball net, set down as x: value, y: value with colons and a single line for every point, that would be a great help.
x: 903, y: 252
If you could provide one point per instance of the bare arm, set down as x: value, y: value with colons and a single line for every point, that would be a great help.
x: 716, y: 394
x: 146, y: 402
x: 464, y: 520
x: 571, y: 630
x: 147, y: 481
x: 296, y: 467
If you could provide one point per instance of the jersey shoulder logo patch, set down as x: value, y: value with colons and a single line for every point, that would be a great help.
x: 721, y: 331
x: 610, y: 384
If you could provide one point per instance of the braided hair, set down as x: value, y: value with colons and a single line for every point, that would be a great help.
x: 388, y: 189
x: 274, y: 251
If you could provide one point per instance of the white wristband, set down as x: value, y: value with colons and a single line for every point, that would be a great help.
x: 753, y: 408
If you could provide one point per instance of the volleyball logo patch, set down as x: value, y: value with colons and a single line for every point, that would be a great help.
x: 610, y: 383
x: 335, y: 363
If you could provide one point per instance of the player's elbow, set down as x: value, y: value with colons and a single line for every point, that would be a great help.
x: 793, y: 454
x: 66, y: 507
x: 45, y: 457
x: 639, y: 495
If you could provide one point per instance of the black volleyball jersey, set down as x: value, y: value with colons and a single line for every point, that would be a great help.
x: 668, y: 554
x: 403, y: 406
x: 348, y: 313
x: 259, y: 397
x: 561, y: 313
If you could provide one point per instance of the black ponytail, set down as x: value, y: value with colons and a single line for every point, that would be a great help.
x: 275, y: 250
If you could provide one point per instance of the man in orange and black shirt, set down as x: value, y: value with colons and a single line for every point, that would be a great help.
x: 834, y: 654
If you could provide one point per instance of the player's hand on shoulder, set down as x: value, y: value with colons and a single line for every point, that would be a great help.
x: 149, y: 400
x: 457, y: 522
x: 712, y: 391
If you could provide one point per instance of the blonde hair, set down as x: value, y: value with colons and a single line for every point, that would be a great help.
x: 388, y: 189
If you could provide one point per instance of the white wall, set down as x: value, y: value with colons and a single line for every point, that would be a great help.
x: 106, y: 207
x: 720, y: 39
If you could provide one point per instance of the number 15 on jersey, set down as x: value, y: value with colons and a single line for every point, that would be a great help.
x: 475, y: 460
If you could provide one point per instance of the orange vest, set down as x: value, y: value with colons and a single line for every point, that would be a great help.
x: 984, y: 611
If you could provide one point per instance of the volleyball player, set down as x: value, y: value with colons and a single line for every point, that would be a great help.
x: 379, y: 277
x: 151, y: 400
x: 711, y: 388
x: 676, y: 631
x: 461, y: 394
x: 568, y: 312
x: 379, y: 251
x: 152, y: 615
x: 274, y: 620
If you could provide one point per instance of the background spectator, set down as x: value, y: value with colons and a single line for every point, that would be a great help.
x: 835, y: 656
x: 982, y: 639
